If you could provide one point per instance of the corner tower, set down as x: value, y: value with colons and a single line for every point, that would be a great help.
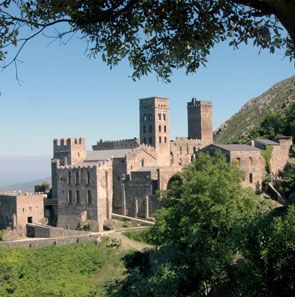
x: 155, y: 126
x: 68, y: 151
x: 199, y: 114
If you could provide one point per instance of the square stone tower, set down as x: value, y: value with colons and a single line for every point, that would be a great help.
x: 69, y: 151
x: 155, y: 126
x: 199, y: 114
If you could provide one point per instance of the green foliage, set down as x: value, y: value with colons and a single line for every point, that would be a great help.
x: 287, y: 186
x: 266, y: 154
x: 155, y: 36
x: 197, y: 233
x: 142, y: 235
x: 72, y: 270
x: 276, y: 125
x: 268, y: 266
x: 43, y: 188
x: 1, y: 235
x: 278, y: 99
x: 114, y: 242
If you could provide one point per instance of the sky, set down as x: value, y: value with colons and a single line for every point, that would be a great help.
x: 65, y: 94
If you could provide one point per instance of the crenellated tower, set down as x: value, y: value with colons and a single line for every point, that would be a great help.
x: 155, y: 126
x: 66, y: 151
x: 199, y: 114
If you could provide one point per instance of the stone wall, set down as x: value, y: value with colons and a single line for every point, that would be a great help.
x: 252, y: 164
x: 88, y: 200
x: 45, y: 231
x: 7, y: 211
x: 116, y: 144
x: 182, y: 150
x: 140, y: 193
x: 35, y: 243
x: 143, y: 156
x: 19, y: 209
x: 280, y: 155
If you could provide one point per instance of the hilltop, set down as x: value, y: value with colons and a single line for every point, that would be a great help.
x: 277, y: 99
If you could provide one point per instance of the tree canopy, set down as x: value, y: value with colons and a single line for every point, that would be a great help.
x: 275, y: 125
x: 155, y: 35
x: 199, y: 234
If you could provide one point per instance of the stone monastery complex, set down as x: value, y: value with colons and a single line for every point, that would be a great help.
x: 124, y: 176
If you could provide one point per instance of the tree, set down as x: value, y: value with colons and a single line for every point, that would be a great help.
x: 196, y: 233
x: 44, y: 187
x: 276, y: 125
x: 269, y: 255
x: 155, y: 35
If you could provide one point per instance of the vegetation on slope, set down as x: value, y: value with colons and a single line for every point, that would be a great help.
x: 141, y: 235
x: 72, y: 270
x: 276, y: 100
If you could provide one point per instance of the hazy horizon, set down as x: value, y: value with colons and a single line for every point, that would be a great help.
x: 22, y: 169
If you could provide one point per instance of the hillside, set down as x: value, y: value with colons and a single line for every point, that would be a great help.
x: 25, y: 187
x: 277, y: 99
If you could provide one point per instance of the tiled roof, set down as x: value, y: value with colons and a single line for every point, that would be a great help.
x: 266, y: 142
x: 236, y: 147
x: 106, y: 154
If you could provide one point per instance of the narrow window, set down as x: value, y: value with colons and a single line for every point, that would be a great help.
x: 165, y: 139
x: 144, y: 117
x: 150, y: 140
x: 239, y: 161
x: 150, y: 117
x: 160, y: 139
x: 70, y: 198
x: 250, y: 161
x: 159, y: 115
x: 77, y: 177
x: 160, y: 128
x: 251, y: 178
x: 164, y: 116
x: 165, y: 129
x: 142, y: 163
x: 78, y: 197
x: 88, y: 177
x: 70, y: 177
x: 151, y: 129
x: 143, y: 129
x: 89, y: 197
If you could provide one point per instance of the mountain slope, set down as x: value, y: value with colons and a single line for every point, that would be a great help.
x: 25, y: 187
x: 277, y: 99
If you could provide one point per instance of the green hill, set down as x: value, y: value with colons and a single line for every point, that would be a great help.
x: 277, y: 99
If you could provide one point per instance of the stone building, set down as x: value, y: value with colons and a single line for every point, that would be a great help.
x: 249, y: 157
x: 16, y: 210
x: 123, y: 176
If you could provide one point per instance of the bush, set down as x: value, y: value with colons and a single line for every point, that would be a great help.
x: 142, y: 235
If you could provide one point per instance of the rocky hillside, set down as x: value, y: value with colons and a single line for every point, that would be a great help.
x: 276, y: 99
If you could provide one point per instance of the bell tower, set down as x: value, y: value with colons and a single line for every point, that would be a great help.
x: 199, y: 114
x: 154, y: 127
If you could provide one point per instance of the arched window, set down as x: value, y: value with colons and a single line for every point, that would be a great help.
x: 250, y: 161
x: 142, y: 163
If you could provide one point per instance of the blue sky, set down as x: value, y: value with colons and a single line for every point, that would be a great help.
x: 64, y: 94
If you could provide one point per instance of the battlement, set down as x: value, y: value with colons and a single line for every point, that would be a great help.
x: 84, y: 166
x: 181, y: 140
x: 116, y: 144
x: 153, y: 102
x: 197, y: 103
x: 67, y: 142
